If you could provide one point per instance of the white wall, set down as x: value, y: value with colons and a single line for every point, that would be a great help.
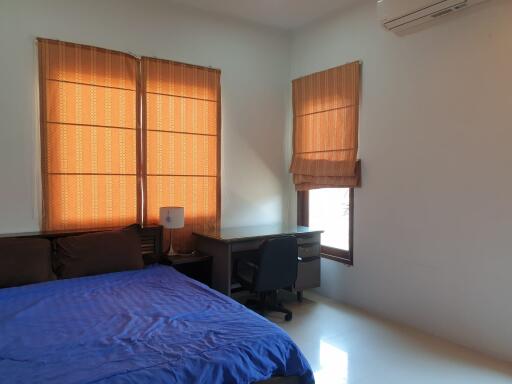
x: 433, y: 219
x: 255, y: 69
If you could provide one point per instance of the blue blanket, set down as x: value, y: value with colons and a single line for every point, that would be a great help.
x: 149, y: 326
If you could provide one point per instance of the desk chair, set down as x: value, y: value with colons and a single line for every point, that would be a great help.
x: 270, y: 268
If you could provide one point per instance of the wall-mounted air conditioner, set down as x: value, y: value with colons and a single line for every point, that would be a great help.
x: 398, y: 15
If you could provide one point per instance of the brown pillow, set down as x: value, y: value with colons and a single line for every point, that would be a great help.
x: 24, y: 261
x: 96, y: 253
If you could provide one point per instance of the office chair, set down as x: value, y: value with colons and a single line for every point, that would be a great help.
x: 272, y: 267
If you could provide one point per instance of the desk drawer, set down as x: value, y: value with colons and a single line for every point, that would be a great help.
x: 308, y: 274
x: 248, y: 245
x: 309, y: 250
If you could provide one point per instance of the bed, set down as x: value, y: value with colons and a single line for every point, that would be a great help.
x: 151, y: 325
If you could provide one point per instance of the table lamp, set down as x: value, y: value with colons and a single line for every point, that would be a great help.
x: 172, y: 218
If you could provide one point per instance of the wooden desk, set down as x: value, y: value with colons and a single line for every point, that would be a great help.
x: 222, y: 244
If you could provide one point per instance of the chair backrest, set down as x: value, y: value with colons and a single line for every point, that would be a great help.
x: 278, y: 263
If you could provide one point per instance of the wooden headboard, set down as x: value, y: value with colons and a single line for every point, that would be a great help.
x: 151, y: 239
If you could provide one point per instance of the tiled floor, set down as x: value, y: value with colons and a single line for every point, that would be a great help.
x: 346, y: 346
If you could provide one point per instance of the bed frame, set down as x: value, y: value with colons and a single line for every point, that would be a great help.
x: 152, y: 251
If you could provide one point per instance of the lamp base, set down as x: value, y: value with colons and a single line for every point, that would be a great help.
x: 171, y: 251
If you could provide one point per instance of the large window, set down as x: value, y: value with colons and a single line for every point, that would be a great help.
x: 330, y: 210
x: 324, y: 162
x: 122, y: 136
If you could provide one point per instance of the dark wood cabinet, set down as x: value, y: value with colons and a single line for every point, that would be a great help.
x: 197, y: 267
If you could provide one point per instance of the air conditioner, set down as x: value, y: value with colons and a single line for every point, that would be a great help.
x: 398, y: 15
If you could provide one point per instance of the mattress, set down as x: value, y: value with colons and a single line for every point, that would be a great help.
x: 153, y: 325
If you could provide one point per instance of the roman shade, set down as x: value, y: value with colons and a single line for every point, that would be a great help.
x: 122, y: 136
x: 89, y: 136
x: 325, y: 129
x: 181, y: 131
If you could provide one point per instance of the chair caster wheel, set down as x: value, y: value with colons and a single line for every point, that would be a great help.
x: 288, y: 317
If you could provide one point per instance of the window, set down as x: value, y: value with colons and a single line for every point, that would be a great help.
x: 330, y: 210
x: 123, y: 136
x: 324, y: 162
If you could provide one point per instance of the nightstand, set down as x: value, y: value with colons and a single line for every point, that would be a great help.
x: 197, y: 267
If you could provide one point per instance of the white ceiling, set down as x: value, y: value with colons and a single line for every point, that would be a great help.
x: 284, y: 14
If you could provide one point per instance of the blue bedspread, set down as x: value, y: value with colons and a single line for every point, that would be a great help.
x: 149, y: 326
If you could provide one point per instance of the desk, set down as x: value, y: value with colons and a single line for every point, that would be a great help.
x: 222, y: 244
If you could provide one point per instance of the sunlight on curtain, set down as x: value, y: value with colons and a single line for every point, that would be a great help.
x: 88, y: 136
x: 325, y: 128
x: 181, y: 110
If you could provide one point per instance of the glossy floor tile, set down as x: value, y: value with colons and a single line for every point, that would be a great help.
x: 347, y: 346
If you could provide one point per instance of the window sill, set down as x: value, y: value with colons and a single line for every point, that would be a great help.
x: 347, y: 260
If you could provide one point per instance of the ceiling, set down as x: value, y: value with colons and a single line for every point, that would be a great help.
x: 283, y: 14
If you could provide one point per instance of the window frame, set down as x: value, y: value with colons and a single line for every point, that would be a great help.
x: 336, y: 254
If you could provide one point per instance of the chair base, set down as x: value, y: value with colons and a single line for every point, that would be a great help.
x: 268, y: 302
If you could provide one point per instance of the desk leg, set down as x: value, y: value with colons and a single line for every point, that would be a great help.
x: 221, y: 263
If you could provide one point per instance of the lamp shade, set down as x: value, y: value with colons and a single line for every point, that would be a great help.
x: 172, y: 217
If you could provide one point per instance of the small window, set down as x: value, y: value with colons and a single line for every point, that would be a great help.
x: 330, y: 210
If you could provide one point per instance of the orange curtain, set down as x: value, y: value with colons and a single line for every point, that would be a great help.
x: 325, y: 129
x: 89, y: 136
x: 181, y: 126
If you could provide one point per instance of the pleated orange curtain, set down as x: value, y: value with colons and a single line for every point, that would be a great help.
x: 181, y: 123
x: 325, y: 129
x: 88, y: 135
